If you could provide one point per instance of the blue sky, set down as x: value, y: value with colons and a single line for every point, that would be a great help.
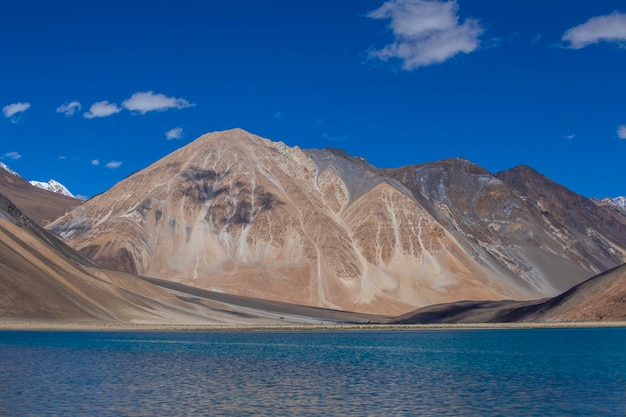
x: 93, y: 91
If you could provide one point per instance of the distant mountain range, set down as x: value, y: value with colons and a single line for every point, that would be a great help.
x: 52, y: 185
x: 40, y: 205
x: 239, y: 214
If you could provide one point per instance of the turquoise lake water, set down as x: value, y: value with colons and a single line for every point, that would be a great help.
x: 534, y: 372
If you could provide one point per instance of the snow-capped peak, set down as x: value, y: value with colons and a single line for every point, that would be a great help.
x: 54, y: 186
x: 9, y: 170
x: 617, y: 202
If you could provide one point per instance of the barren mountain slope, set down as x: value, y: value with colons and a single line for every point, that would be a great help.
x: 237, y: 213
x: 596, y: 235
x: 600, y: 298
x: 43, y: 279
x: 509, y: 230
x: 40, y: 205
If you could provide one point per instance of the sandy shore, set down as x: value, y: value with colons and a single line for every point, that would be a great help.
x: 8, y: 324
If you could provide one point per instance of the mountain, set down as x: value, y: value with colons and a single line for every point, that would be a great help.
x: 595, y: 235
x: 235, y: 213
x: 43, y: 279
x: 54, y: 186
x: 40, y: 205
x: 520, y: 222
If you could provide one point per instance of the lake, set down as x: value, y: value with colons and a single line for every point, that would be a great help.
x: 523, y: 372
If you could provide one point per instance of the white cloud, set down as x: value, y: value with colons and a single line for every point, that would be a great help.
x: 572, y: 136
x: 69, y: 109
x: 334, y: 138
x: 81, y: 197
x: 148, y: 101
x: 175, y: 133
x: 62, y: 157
x: 425, y: 32
x: 278, y: 114
x: 102, y: 109
x: 95, y: 162
x: 607, y: 28
x: 621, y: 132
x: 12, y: 155
x: 113, y: 164
x: 11, y: 110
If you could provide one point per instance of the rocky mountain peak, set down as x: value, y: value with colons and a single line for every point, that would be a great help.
x: 54, y: 186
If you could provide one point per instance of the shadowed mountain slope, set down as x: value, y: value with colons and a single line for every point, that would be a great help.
x: 43, y: 279
x: 600, y: 298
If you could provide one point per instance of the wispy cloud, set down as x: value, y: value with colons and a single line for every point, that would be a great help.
x: 69, y: 109
x: 62, y: 157
x: 334, y: 138
x: 12, y: 155
x: 606, y: 28
x: 95, y: 162
x: 278, y: 114
x: 536, y: 38
x: 572, y: 136
x: 144, y: 102
x: 81, y: 197
x: 113, y: 164
x: 425, y: 32
x: 102, y: 109
x: 11, y: 111
x: 175, y: 133
x: 621, y: 132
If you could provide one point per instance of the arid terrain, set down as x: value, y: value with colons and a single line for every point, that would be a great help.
x: 237, y: 229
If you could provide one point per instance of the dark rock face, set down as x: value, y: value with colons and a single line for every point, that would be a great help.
x: 594, y: 231
x: 529, y: 230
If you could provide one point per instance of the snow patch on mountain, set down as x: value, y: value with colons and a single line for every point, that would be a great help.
x: 9, y: 170
x: 54, y: 186
x: 617, y: 202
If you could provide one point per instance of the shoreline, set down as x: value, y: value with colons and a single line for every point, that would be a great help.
x: 46, y: 325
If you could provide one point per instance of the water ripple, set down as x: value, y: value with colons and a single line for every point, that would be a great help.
x: 438, y: 373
